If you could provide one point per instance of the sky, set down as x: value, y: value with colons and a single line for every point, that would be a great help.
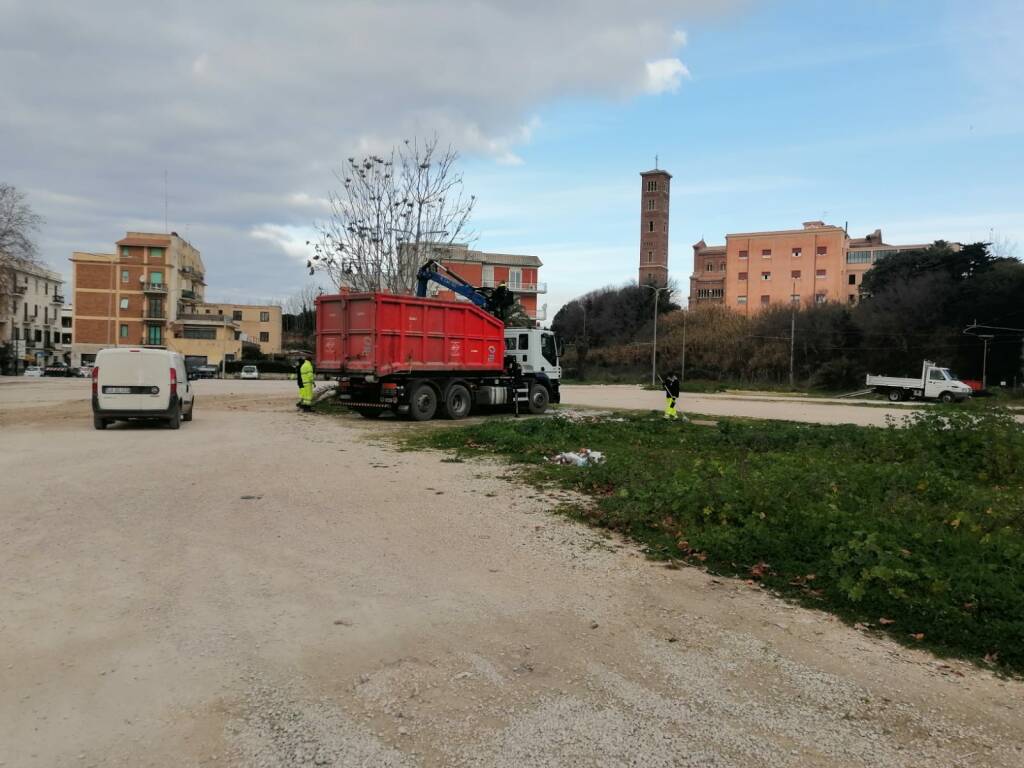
x: 904, y: 115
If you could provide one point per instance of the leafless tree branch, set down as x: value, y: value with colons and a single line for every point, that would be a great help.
x: 18, y: 225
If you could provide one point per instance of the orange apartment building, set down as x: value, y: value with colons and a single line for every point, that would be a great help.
x: 815, y: 264
x: 488, y: 270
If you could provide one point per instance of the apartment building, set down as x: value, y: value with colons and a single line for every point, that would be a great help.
x: 488, y: 270
x: 258, y: 323
x: 140, y: 295
x: 30, y: 318
x: 814, y: 264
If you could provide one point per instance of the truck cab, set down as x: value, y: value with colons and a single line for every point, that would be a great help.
x: 535, y: 350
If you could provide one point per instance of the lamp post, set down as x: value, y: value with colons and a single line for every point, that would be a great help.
x: 985, y: 338
x: 654, y: 343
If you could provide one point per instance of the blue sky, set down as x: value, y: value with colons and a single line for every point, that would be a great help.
x: 904, y: 115
x: 882, y: 114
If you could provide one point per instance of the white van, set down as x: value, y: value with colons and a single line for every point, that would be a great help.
x: 137, y: 383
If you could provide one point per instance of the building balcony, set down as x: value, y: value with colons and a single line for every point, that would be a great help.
x: 188, y: 295
x: 154, y: 313
x: 154, y: 287
x: 145, y: 341
x: 19, y: 289
x: 517, y: 287
x: 191, y: 317
x: 58, y: 299
x: 540, y: 313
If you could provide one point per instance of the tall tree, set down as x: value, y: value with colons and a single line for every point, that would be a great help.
x: 18, y: 226
x: 388, y: 213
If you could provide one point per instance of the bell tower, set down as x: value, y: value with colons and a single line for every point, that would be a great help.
x: 654, y: 196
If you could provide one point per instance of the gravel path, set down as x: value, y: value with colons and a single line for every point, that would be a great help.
x: 262, y: 588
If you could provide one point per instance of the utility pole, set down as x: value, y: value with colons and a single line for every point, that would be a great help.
x: 682, y: 371
x: 985, y: 339
x: 792, y: 334
x: 654, y: 344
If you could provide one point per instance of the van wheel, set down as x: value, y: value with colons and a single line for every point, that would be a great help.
x: 174, y: 422
x: 191, y: 407
x: 538, y: 399
x: 457, y: 403
x: 946, y: 397
x: 895, y: 395
x: 423, y: 403
x: 99, y: 423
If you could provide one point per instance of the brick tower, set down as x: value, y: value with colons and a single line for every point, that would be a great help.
x: 654, y: 189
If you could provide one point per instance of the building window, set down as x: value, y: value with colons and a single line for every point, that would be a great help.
x: 858, y: 257
x: 822, y: 250
x: 124, y: 303
x: 743, y: 275
x: 156, y: 278
x: 819, y: 298
x: 264, y: 336
x: 650, y: 258
x: 650, y: 204
x: 766, y: 253
x: 124, y: 275
x: 156, y: 253
x: 852, y: 279
x: 794, y: 298
x: 124, y: 331
x: 795, y: 274
x: 709, y: 267
x: 742, y: 300
x: 765, y: 300
x: 650, y: 226
x: 154, y: 335
x: 820, y: 274
x: 125, y: 253
x: 852, y: 298
x: 39, y: 337
x: 744, y: 254
x: 652, y: 186
x: 766, y: 275
x: 66, y: 338
x: 721, y: 267
x: 46, y: 288
x: 797, y: 252
x: 236, y: 314
x: 710, y: 293
x: 265, y: 316
x: 199, y: 332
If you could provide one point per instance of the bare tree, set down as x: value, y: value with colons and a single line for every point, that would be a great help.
x: 388, y: 213
x: 18, y: 224
x: 1001, y: 246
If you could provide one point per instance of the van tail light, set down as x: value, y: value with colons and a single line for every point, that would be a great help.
x: 95, y: 379
x: 174, y: 383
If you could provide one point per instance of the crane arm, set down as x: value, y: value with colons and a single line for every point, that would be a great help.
x: 433, y: 271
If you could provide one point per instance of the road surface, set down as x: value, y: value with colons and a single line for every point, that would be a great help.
x: 264, y: 588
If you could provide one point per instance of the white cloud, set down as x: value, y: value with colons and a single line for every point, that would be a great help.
x: 200, y: 64
x: 290, y: 240
x: 665, y: 76
x: 679, y: 38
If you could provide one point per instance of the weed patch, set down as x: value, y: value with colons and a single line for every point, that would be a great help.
x: 916, y: 530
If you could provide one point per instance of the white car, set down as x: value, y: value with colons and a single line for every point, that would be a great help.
x: 34, y: 371
x: 136, y: 383
x: 249, y: 372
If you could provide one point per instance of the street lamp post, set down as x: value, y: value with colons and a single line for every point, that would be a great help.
x: 985, y: 338
x: 654, y: 343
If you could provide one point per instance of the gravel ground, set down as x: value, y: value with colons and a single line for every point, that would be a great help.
x: 263, y: 588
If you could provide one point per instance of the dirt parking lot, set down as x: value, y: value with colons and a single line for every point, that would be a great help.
x: 264, y: 588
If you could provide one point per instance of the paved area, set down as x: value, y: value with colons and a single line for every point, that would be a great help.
x: 263, y: 588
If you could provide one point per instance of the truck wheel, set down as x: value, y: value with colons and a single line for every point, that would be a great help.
x: 174, y: 422
x: 423, y: 403
x: 369, y: 413
x: 99, y: 423
x: 538, y: 399
x: 895, y: 395
x: 947, y: 397
x: 457, y: 403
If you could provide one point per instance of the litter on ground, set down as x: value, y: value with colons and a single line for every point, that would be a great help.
x: 582, y: 458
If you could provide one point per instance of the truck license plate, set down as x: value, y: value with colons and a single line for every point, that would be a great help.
x: 117, y: 390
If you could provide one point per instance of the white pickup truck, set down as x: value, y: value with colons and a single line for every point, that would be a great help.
x: 935, y: 383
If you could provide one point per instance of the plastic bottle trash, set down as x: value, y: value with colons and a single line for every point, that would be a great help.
x: 581, y: 458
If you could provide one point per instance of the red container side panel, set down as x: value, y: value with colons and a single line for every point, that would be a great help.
x: 383, y: 333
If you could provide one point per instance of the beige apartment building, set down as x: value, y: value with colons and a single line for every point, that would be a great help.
x: 150, y: 292
x: 30, y: 318
x: 815, y: 264
x: 259, y: 323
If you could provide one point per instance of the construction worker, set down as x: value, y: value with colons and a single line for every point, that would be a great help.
x: 671, y: 385
x: 306, y: 385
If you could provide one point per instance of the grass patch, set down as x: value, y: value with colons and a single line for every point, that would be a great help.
x: 918, y: 531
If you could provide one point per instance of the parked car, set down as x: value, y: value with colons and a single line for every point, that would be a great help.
x: 249, y: 372
x: 58, y: 368
x: 84, y: 371
x: 34, y: 370
x: 131, y: 383
x: 204, y: 372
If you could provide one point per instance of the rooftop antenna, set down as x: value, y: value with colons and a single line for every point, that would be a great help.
x: 655, y: 162
x: 165, y: 199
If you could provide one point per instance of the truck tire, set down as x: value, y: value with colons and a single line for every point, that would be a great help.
x: 895, y: 395
x: 174, y: 422
x: 422, y: 402
x: 369, y: 413
x: 538, y: 399
x: 457, y: 402
x: 947, y: 397
x: 99, y: 423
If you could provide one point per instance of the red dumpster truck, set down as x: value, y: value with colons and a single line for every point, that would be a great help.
x: 422, y: 357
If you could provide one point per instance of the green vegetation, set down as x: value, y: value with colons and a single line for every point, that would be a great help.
x: 918, y: 531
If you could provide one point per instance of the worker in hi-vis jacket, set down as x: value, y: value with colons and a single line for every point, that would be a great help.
x: 306, y: 385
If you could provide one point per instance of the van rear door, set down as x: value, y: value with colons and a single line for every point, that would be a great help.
x: 133, y: 379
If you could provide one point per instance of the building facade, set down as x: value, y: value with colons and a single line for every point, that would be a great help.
x: 488, y: 270
x: 259, y: 323
x: 654, y: 201
x: 138, y: 296
x: 812, y: 265
x: 30, y: 318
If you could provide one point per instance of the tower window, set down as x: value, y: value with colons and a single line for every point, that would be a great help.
x: 650, y: 204
x: 650, y: 226
x: 650, y: 256
x: 652, y: 186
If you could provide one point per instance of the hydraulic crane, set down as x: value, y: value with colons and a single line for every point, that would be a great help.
x: 498, y: 301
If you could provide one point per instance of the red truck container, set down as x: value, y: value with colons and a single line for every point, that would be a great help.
x: 384, y: 333
x: 420, y: 356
